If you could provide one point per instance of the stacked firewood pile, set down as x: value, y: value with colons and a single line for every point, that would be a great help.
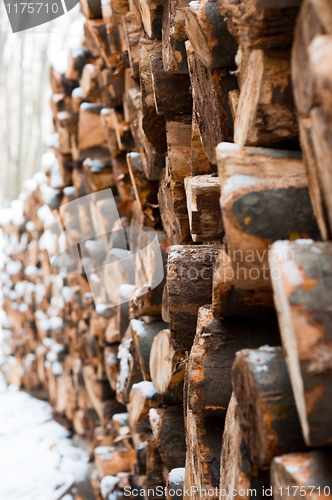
x: 216, y: 381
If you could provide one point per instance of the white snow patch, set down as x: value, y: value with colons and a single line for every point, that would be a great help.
x: 13, y: 267
x: 138, y: 327
x: 126, y: 291
x: 262, y: 368
x: 67, y: 294
x: 30, y: 226
x: 304, y: 241
x: 228, y: 147
x: 292, y: 272
x: 293, y: 469
x: 146, y: 388
x: 153, y: 414
x: 107, y: 484
x: 238, y: 181
x: 121, y: 418
x: 125, y: 359
x: 176, y: 476
x: 37, y: 460
x: 267, y: 348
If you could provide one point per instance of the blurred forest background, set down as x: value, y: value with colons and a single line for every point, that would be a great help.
x: 25, y: 117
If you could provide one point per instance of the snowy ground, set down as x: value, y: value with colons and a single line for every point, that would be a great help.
x: 37, y: 459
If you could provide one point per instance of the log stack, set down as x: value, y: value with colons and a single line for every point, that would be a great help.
x: 182, y: 323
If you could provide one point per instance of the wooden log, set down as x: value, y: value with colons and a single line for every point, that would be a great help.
x: 100, y: 395
x: 315, y: 179
x: 90, y: 42
x: 111, y: 88
x: 145, y: 191
x: 122, y: 311
x: 152, y: 124
x: 174, y: 36
x: 203, y: 440
x: 285, y: 209
x: 103, y: 218
x: 266, y: 408
x: 176, y: 226
x: 65, y: 169
x: 300, y: 272
x: 167, y: 426
x: 262, y: 24
x: 207, y: 32
x: 111, y: 364
x: 200, y: 164
x: 57, y: 103
x: 155, y: 483
x: 68, y: 85
x: 98, y: 175
x: 110, y: 460
x: 320, y: 16
x: 266, y: 113
x: 76, y: 101
x: 152, y: 14
x: 171, y: 91
x: 230, y: 301
x: 143, y: 397
x: 189, y: 286
x: 122, y: 130
x: 123, y: 184
x: 105, y: 39
x: 143, y: 336
x: 234, y: 96
x: 302, y: 475
x: 167, y: 365
x: 321, y: 137
x: 55, y: 80
x: 321, y: 124
x: 63, y: 126
x: 133, y: 32
x: 90, y: 130
x: 116, y: 9
x: 178, y: 133
x: 119, y: 272
x: 203, y: 193
x: 210, y: 90
x: 152, y: 162
x: 78, y: 57
x: 129, y: 372
x: 120, y: 423
x: 146, y: 302
x: 91, y: 9
x: 239, y: 478
x: 209, y: 374
x: 89, y: 83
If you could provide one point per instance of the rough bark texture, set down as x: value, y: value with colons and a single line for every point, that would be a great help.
x: 266, y: 407
x: 205, y: 219
x: 209, y: 378
x: 302, y: 296
x: 188, y: 268
x: 133, y: 271
x: 236, y: 470
x: 207, y: 31
x: 210, y: 95
x: 260, y: 206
